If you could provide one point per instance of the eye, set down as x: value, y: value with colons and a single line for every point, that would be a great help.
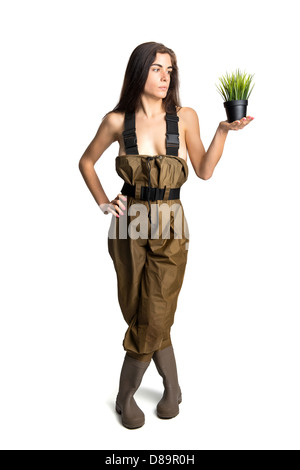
x: 169, y: 71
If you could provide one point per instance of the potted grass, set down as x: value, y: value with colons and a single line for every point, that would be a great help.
x: 235, y: 90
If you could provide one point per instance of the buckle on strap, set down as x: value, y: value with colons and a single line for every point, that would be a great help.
x: 172, y: 140
x: 130, y: 131
x: 130, y: 139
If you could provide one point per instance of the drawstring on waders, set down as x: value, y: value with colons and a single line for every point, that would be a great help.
x: 149, y: 186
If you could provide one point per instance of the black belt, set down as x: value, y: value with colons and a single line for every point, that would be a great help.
x: 149, y: 193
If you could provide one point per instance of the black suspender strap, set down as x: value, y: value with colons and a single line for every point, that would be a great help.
x: 172, y: 134
x: 129, y: 134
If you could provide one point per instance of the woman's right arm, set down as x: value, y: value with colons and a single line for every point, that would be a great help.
x: 105, y: 136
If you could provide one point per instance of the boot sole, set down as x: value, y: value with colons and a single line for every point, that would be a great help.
x: 126, y: 425
x: 173, y: 415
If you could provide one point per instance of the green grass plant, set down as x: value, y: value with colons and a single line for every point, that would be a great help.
x: 235, y: 86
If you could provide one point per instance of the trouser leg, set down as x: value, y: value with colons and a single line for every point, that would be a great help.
x: 129, y: 257
x: 161, y: 282
x: 150, y: 274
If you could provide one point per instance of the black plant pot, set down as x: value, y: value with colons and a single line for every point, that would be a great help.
x: 236, y: 109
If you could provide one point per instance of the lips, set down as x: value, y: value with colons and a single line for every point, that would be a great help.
x: 163, y: 88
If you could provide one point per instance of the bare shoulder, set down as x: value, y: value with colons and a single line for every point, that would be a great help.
x: 114, y: 121
x: 187, y: 116
x: 186, y: 113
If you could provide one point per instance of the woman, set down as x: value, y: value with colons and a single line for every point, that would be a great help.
x: 154, y: 133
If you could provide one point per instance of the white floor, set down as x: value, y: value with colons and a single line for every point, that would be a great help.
x: 229, y: 402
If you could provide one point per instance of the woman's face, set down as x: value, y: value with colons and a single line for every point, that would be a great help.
x: 158, y: 80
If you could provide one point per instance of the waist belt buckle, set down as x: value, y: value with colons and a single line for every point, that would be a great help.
x: 154, y: 194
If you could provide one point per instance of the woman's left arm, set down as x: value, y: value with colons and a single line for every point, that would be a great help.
x: 203, y: 162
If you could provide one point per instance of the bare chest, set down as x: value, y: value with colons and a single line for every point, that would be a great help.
x: 151, y: 138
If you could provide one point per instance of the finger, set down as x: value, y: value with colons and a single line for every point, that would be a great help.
x: 235, y: 125
x: 118, y: 201
x: 246, y: 120
x: 123, y: 197
x: 113, y: 212
x: 117, y: 208
x: 120, y: 204
x: 110, y: 208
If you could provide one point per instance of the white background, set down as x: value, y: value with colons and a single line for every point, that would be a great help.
x: 236, y: 331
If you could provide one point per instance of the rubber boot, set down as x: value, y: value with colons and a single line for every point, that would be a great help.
x: 131, y: 376
x: 166, y: 366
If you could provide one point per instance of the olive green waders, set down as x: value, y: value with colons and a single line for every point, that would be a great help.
x: 149, y: 270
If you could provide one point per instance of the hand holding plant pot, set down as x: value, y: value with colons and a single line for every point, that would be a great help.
x: 235, y: 90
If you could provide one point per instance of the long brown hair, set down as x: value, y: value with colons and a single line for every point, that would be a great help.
x: 136, y: 75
